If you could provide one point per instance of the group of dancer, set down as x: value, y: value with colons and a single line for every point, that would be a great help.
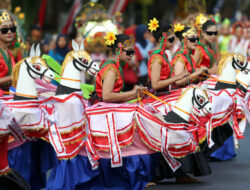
x: 170, y: 128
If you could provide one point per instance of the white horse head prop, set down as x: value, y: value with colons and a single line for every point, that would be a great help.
x: 27, y: 70
x: 76, y: 62
x: 193, y: 100
x: 243, y: 78
x: 228, y: 65
x: 82, y: 60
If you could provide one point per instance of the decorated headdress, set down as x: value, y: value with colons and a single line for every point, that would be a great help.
x: 153, y: 25
x: 110, y: 40
x: 200, y: 20
x: 185, y: 33
x: 4, y: 17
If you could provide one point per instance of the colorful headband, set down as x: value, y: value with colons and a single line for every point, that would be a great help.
x: 111, y: 38
x: 4, y: 17
x: 189, y: 33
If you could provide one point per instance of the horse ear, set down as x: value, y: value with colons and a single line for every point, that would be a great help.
x: 204, y: 86
x: 38, y: 51
x: 32, y: 51
x: 82, y: 45
x: 75, y: 46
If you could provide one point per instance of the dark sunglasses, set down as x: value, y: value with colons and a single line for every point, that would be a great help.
x: 171, y: 40
x: 5, y: 30
x: 193, y: 40
x: 212, y: 33
x: 129, y: 52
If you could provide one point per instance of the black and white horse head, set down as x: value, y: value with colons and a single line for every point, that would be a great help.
x: 81, y: 59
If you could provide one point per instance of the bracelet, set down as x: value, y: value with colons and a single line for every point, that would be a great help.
x: 188, y: 79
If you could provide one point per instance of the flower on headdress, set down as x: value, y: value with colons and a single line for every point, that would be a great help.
x: 153, y: 24
x: 200, y: 20
x: 17, y: 9
x: 110, y: 38
x: 178, y: 27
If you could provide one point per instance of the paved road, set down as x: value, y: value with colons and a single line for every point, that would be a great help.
x: 227, y: 175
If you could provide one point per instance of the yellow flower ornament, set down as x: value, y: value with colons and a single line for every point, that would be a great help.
x: 178, y: 27
x: 110, y: 38
x: 153, y: 24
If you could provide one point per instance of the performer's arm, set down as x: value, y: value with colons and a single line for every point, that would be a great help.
x: 157, y: 83
x: 107, y: 90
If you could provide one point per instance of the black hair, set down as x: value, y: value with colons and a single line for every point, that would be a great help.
x: 163, y: 27
x: 179, y: 33
x: 120, y: 38
x: 207, y: 24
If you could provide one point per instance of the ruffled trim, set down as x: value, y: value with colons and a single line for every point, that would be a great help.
x: 155, y: 58
x: 110, y: 67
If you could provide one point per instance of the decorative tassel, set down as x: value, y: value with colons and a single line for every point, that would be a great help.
x: 163, y: 43
x: 119, y: 53
x: 185, y: 46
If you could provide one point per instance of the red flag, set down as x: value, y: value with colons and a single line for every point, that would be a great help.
x: 41, y: 13
x: 72, y: 14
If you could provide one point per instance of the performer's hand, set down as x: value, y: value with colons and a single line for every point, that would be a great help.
x: 183, y: 74
x: 202, y: 70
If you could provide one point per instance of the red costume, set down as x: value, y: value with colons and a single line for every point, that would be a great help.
x: 105, y: 67
x: 166, y: 69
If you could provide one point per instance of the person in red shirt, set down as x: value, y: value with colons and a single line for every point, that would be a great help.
x: 110, y: 80
x: 7, y: 34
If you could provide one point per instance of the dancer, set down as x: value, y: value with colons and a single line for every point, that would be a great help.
x: 9, y: 178
x: 193, y: 163
x: 7, y: 31
x: 109, y: 80
x: 204, y: 55
x: 183, y: 61
x: 159, y: 67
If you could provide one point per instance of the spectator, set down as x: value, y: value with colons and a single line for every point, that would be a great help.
x: 61, y: 49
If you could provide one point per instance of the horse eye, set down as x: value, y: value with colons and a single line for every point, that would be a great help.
x: 37, y: 67
x: 201, y: 100
x: 241, y: 63
x: 84, y: 60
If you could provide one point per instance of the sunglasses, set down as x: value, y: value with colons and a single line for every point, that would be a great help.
x: 129, y: 52
x: 6, y: 30
x: 171, y: 40
x: 212, y: 33
x: 193, y: 40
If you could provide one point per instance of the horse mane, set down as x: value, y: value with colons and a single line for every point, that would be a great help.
x: 186, y: 90
x: 69, y: 58
x: 223, y: 62
x: 16, y: 69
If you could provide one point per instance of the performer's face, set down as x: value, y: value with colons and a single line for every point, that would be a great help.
x: 7, y: 31
x: 245, y: 33
x: 192, y: 41
x: 170, y: 42
x: 238, y: 32
x: 210, y: 34
x: 127, y: 54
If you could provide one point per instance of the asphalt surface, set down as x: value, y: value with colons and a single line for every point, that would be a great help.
x: 227, y: 175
